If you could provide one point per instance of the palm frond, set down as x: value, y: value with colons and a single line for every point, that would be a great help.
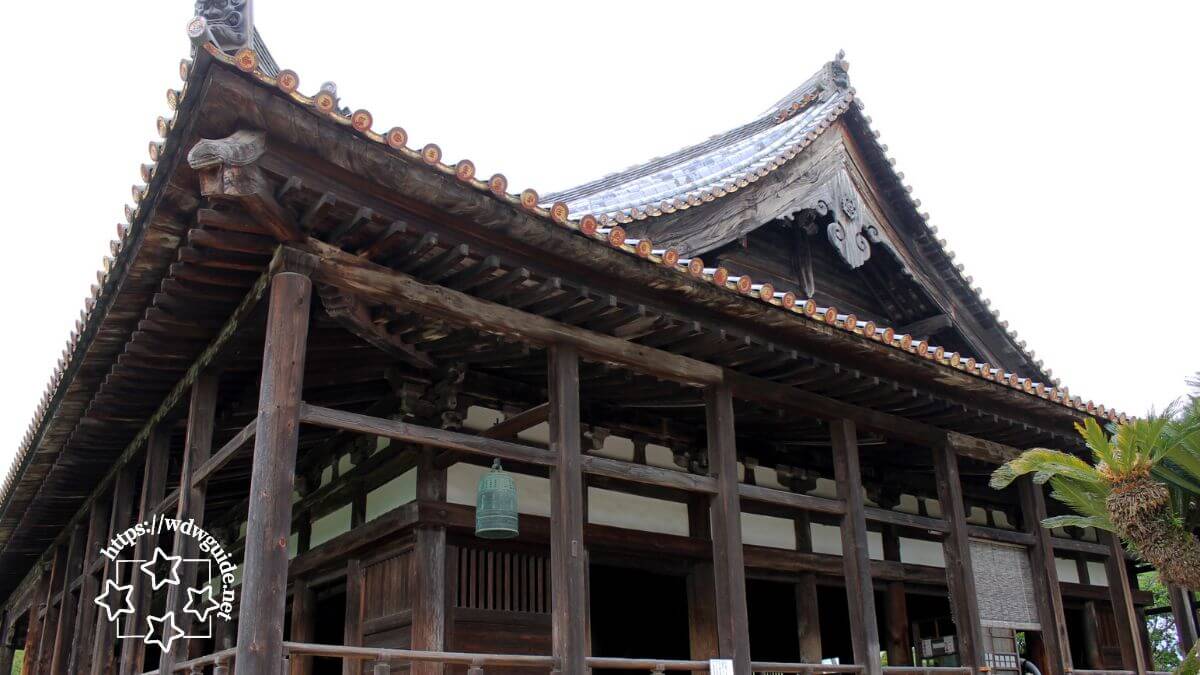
x: 1074, y: 520
x: 1044, y: 464
x: 1088, y: 499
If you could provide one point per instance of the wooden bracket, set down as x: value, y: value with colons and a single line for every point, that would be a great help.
x: 229, y: 170
x: 355, y: 317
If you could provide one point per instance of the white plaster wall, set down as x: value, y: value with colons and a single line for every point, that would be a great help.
x: 908, y: 504
x: 769, y: 531
x: 922, y: 552
x: 826, y: 539
x: 1066, y: 570
x: 398, y: 491
x: 1097, y: 574
x: 533, y: 493
x: 635, y: 512
x: 330, y: 525
x: 617, y: 447
x: 479, y: 418
x: 661, y: 456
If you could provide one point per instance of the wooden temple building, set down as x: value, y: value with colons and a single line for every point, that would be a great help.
x: 748, y: 400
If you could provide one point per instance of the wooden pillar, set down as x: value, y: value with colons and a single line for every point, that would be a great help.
x: 7, y: 648
x: 154, y: 485
x: 352, y: 631
x: 568, y: 556
x: 1091, y: 636
x: 83, y: 630
x: 64, y: 635
x: 1121, y: 595
x: 202, y: 412
x: 1046, y: 590
x: 48, y: 622
x: 1184, y: 610
x: 808, y: 611
x: 264, y: 571
x: 429, y: 569
x: 856, y: 557
x: 104, y: 632
x: 956, y: 546
x: 701, y: 592
x: 899, y: 644
x: 304, y: 624
x: 725, y: 516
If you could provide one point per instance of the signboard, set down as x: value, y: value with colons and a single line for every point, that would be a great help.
x: 937, y: 646
x: 720, y: 666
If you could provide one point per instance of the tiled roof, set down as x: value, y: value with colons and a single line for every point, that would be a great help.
x: 698, y: 174
x: 790, y: 129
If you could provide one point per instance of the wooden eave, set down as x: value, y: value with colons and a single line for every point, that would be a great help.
x: 102, y: 398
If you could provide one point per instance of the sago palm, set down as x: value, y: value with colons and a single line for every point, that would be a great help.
x: 1143, y: 484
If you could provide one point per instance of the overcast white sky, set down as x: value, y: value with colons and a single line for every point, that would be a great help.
x: 1054, y: 144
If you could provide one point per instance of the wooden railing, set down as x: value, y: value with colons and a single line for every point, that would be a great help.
x: 222, y: 662
x: 919, y: 670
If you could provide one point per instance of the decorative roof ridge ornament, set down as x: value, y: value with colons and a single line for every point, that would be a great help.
x: 228, y: 24
x: 831, y: 80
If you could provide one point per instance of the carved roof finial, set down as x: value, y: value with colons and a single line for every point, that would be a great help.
x: 229, y: 24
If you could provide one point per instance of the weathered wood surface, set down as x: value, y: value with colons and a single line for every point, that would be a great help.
x: 82, y: 632
x: 197, y: 448
x: 856, y: 557
x: 568, y: 552
x: 808, y: 612
x: 429, y: 570
x: 899, y: 643
x: 68, y: 604
x: 304, y: 624
x: 1183, y: 608
x: 342, y: 270
x: 956, y: 548
x: 1121, y: 595
x: 104, y: 632
x: 264, y: 582
x: 1047, y: 594
x: 733, y: 624
x: 352, y: 626
x: 154, y: 484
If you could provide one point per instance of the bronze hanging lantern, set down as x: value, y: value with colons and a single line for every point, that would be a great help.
x: 496, y: 505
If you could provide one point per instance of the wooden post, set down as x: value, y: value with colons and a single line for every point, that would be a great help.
x: 33, y: 633
x: 1121, y: 595
x: 960, y: 576
x: 725, y: 516
x: 568, y: 557
x: 1184, y: 611
x: 352, y: 631
x: 429, y: 569
x: 304, y: 624
x: 856, y: 557
x: 85, y: 617
x: 154, y: 487
x: 202, y: 412
x: 64, y: 635
x: 1091, y: 636
x: 104, y: 632
x: 808, y: 611
x: 701, y: 591
x: 1046, y: 590
x: 264, y: 571
x: 48, y: 622
x: 7, y: 649
x: 899, y: 644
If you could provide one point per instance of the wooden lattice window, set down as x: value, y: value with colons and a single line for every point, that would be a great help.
x: 506, y: 581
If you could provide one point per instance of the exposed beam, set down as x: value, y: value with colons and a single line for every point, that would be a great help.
x: 337, y: 268
x: 927, y: 326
